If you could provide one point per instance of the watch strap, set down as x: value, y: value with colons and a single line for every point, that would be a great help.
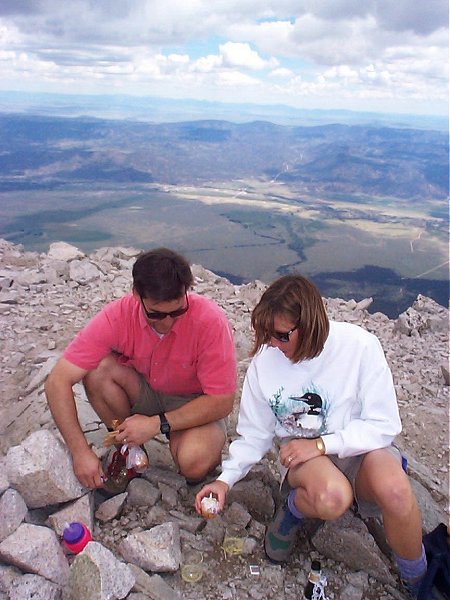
x: 164, y: 425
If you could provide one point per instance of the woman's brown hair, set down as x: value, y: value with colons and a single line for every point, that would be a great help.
x: 299, y: 300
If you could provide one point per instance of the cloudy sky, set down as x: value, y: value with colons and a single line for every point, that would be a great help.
x: 381, y: 55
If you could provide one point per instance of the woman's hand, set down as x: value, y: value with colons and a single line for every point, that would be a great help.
x: 296, y: 452
x: 217, y: 488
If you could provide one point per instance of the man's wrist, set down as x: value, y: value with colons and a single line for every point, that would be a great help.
x: 164, y: 425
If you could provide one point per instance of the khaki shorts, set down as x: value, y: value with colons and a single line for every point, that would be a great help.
x: 349, y: 467
x: 151, y: 402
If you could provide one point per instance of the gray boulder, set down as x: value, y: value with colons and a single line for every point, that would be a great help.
x: 36, y: 549
x: 12, y: 512
x: 157, y: 549
x: 98, y: 575
x: 40, y: 468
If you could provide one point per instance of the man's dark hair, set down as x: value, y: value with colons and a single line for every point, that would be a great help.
x: 162, y: 275
x: 299, y: 300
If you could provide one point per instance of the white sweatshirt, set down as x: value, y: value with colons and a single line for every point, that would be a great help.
x: 345, y: 395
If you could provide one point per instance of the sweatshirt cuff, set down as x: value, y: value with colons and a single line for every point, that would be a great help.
x: 229, y: 478
x: 331, y: 443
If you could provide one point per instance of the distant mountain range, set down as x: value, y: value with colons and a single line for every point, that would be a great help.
x: 359, y: 206
x: 42, y: 151
x: 163, y: 110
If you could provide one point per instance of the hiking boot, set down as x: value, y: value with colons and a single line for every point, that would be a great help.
x: 281, y: 534
x: 415, y: 588
x: 411, y: 588
x: 118, y: 476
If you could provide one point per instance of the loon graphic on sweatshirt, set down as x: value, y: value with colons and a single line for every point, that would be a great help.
x: 302, y: 416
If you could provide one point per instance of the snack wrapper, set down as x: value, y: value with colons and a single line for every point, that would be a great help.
x: 110, y: 437
x: 136, y: 458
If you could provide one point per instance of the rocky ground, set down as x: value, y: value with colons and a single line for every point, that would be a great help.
x: 46, y: 298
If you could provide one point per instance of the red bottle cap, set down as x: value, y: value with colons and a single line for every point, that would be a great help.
x: 76, y: 536
x: 73, y: 533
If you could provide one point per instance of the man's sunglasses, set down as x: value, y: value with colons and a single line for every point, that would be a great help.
x: 283, y: 336
x: 157, y: 315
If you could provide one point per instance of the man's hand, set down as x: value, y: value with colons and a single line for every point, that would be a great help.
x: 137, y: 430
x: 88, y: 469
x: 296, y: 452
x: 217, y: 488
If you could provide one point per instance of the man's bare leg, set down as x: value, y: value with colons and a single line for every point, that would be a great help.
x: 111, y: 389
x: 197, y: 451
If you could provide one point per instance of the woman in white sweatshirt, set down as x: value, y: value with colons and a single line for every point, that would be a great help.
x: 324, y: 393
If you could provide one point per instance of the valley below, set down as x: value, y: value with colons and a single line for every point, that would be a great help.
x: 247, y: 230
x: 360, y: 209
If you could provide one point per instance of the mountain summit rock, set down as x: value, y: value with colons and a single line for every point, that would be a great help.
x: 45, y: 298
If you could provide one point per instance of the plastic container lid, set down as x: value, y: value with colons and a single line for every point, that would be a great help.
x: 73, y: 533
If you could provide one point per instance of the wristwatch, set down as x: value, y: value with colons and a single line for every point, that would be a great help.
x: 165, y: 425
x: 320, y: 445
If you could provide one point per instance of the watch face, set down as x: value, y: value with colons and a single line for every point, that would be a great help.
x: 165, y: 427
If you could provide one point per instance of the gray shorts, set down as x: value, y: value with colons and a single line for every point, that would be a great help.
x: 151, y: 402
x: 349, y: 467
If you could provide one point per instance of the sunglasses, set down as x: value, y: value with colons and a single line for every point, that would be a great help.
x: 283, y: 336
x: 157, y: 315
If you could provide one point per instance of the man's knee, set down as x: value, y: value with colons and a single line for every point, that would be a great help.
x: 195, y: 465
x: 111, y: 377
x: 196, y: 470
x: 95, y: 382
x: 99, y: 376
x: 91, y: 380
x: 198, y: 453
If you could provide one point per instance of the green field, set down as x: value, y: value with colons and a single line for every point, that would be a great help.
x: 246, y: 230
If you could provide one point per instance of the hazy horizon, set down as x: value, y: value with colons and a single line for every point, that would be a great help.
x: 164, y: 110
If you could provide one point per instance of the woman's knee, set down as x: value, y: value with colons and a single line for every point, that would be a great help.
x: 332, y: 500
x: 395, y: 496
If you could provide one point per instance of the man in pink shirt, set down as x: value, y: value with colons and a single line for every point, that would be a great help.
x: 159, y: 360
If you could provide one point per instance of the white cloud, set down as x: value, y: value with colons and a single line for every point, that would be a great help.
x: 207, y: 64
x: 241, y: 55
x: 235, y: 79
x: 282, y: 73
x: 298, y: 50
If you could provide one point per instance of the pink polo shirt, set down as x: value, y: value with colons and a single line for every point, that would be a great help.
x: 196, y: 356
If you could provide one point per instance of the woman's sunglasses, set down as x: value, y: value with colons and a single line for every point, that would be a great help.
x: 283, y: 336
x: 157, y: 315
